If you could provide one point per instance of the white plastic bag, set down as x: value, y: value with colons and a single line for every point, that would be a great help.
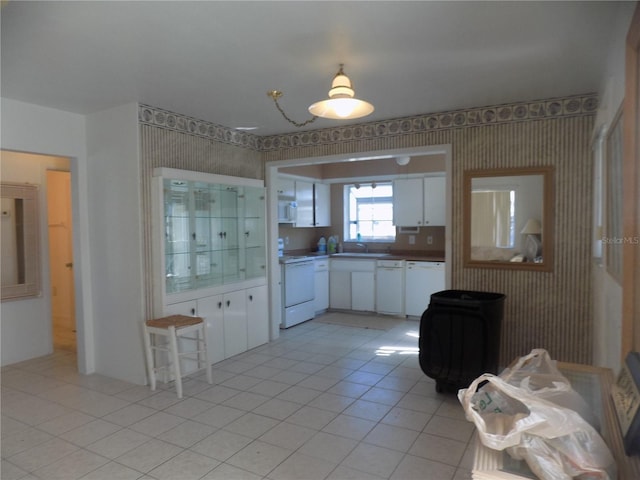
x: 556, y: 442
x: 538, y: 374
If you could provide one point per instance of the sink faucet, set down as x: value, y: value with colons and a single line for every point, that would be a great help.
x: 364, y: 246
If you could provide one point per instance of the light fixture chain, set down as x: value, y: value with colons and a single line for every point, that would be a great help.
x: 297, y: 124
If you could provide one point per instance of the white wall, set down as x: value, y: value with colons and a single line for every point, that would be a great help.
x: 607, y: 293
x: 116, y: 241
x: 103, y: 151
x: 26, y: 328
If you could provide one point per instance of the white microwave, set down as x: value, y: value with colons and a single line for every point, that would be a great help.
x: 287, y: 211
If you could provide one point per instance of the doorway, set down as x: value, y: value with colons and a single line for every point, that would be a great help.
x: 59, y: 225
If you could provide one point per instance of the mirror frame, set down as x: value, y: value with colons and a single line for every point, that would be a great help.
x: 548, y: 220
x: 31, y: 286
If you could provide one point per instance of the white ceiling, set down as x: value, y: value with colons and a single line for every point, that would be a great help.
x: 215, y: 61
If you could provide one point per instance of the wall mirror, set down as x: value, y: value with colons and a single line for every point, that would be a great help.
x: 508, y: 218
x: 20, y: 252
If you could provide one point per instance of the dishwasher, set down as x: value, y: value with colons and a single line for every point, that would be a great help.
x: 422, y: 280
x: 390, y: 287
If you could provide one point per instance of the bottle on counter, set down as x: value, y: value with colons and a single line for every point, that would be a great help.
x: 331, y: 245
x: 322, y: 245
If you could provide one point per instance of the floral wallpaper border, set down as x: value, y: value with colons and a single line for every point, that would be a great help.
x: 576, y: 105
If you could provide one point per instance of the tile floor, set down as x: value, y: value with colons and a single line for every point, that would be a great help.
x: 322, y: 402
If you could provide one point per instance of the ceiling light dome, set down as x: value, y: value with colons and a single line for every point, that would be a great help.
x: 341, y: 103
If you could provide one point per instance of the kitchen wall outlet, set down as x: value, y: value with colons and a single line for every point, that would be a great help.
x: 429, y: 240
x: 412, y: 239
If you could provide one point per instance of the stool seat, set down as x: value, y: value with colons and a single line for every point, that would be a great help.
x: 174, y: 321
x: 175, y: 329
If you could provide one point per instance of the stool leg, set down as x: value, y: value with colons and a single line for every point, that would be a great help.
x: 175, y: 359
x: 206, y: 354
x: 149, y: 354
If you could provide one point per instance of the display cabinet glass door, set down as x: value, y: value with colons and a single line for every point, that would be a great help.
x: 177, y: 219
x: 214, y: 234
x: 254, y: 232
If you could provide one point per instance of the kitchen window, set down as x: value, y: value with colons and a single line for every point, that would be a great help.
x: 369, y: 212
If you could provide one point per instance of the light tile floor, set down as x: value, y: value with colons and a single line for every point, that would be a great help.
x: 322, y: 402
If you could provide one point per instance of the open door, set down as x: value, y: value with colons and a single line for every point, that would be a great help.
x: 61, y: 259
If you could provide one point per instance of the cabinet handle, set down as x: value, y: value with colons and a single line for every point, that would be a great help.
x: 193, y: 235
x: 220, y: 234
x: 193, y: 312
x: 246, y: 234
x: 219, y: 304
x: 228, y: 302
x: 251, y: 298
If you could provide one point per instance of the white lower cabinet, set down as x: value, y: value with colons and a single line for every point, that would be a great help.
x: 236, y: 321
x: 352, y: 284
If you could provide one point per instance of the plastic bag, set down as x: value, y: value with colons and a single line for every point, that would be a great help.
x: 538, y: 374
x: 556, y: 442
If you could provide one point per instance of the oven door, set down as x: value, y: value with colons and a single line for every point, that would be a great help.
x: 299, y: 285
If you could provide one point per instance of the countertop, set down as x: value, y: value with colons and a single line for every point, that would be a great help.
x: 411, y: 256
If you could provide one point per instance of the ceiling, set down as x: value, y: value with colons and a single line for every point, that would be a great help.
x: 215, y: 61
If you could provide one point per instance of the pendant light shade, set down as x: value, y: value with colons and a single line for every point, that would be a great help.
x: 341, y: 103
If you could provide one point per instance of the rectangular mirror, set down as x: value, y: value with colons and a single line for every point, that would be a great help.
x: 20, y: 251
x: 508, y: 218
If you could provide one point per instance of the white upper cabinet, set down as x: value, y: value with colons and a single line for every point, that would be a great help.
x: 419, y: 202
x: 313, y: 201
x: 304, y: 200
x: 322, y: 204
x: 286, y: 188
x: 435, y: 201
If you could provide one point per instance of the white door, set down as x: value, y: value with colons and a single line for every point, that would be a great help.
x: 61, y: 259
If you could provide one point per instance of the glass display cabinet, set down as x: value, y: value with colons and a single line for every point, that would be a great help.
x: 214, y: 231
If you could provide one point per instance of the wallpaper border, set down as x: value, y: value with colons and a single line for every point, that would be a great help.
x: 571, y: 106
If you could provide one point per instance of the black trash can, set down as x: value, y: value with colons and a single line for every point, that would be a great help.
x: 460, y: 337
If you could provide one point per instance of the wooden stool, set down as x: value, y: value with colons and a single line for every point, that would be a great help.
x: 172, y: 328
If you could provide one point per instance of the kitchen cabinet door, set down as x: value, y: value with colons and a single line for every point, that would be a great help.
x: 363, y: 291
x: 321, y: 301
x: 434, y: 201
x: 210, y: 308
x: 340, y: 289
x: 304, y: 199
x: 257, y: 316
x: 322, y: 204
x: 235, y: 323
x: 408, y: 202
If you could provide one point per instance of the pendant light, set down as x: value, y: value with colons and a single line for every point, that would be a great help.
x: 341, y: 104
